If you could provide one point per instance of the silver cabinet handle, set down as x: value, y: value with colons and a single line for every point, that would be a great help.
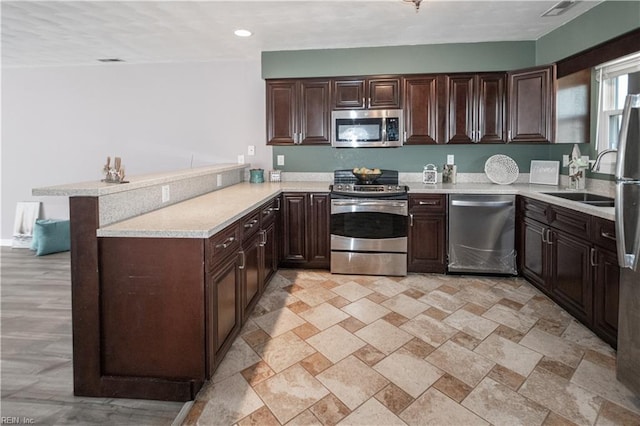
x: 263, y: 240
x: 544, y: 232
x: 549, y: 241
x: 592, y: 256
x: 509, y: 136
x: 363, y: 104
x: 251, y: 224
x: 608, y: 235
x: 242, y: 262
x: 311, y: 199
x: 428, y: 203
x: 226, y: 243
x: 277, y: 208
x: 405, y: 136
x: 369, y: 104
x: 411, y: 219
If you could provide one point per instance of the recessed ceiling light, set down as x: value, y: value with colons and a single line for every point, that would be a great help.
x: 242, y: 33
x: 110, y: 60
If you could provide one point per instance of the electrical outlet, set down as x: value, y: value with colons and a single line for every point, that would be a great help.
x: 219, y: 180
x: 251, y: 150
x: 280, y: 160
x: 450, y: 159
x: 165, y: 194
x: 565, y: 160
x: 240, y: 159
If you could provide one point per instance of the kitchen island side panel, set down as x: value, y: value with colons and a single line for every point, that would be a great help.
x: 85, y: 295
x: 152, y: 307
x: 88, y: 346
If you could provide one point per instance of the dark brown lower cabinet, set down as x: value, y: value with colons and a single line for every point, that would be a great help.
x: 606, y: 295
x: 570, y: 273
x: 306, y: 230
x: 427, y: 251
x: 251, y: 266
x: 578, y: 270
x: 223, y: 309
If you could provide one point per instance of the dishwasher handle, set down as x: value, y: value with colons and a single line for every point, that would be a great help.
x: 465, y: 203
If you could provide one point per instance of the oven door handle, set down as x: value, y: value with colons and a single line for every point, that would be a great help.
x: 370, y: 203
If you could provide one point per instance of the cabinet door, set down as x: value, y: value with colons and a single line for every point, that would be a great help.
x: 384, y: 93
x: 606, y: 296
x: 460, y: 109
x: 318, y: 232
x: 570, y: 278
x: 349, y: 94
x: 281, y: 112
x: 531, y: 104
x: 314, y: 114
x: 427, y: 247
x: 294, y: 228
x: 251, y: 273
x: 490, y: 108
x: 533, y: 252
x: 270, y: 250
x: 223, y: 295
x: 421, y: 110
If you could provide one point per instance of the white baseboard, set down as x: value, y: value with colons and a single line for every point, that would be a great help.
x: 6, y: 242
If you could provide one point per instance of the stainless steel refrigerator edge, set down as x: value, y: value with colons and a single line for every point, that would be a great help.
x: 628, y: 237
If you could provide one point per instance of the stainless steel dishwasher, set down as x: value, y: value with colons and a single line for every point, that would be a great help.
x: 482, y: 234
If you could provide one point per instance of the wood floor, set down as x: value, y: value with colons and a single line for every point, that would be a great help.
x: 36, y: 354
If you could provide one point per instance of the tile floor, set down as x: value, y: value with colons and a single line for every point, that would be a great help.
x: 424, y: 349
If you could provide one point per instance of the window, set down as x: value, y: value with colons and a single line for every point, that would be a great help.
x: 613, y: 78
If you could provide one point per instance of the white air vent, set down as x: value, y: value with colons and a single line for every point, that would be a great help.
x: 560, y: 8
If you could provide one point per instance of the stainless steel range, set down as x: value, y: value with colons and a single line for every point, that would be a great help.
x: 368, y: 225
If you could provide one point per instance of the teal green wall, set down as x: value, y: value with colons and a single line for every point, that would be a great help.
x: 435, y: 58
x: 604, y: 22
x: 468, y: 158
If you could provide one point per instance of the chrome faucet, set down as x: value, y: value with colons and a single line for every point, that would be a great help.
x: 596, y: 164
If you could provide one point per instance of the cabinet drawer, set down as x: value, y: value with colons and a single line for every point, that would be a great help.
x: 269, y: 211
x: 604, y: 233
x: 250, y: 224
x: 223, y: 244
x: 576, y: 223
x: 427, y: 203
x: 538, y: 210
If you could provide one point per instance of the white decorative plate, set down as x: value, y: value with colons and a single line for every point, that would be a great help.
x: 501, y: 169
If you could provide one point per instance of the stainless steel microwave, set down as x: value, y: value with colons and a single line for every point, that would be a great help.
x: 367, y: 128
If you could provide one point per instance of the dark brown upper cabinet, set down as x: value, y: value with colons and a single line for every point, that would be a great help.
x: 298, y: 112
x: 361, y: 93
x: 531, y: 105
x: 421, y: 110
x: 573, y: 108
x: 475, y: 108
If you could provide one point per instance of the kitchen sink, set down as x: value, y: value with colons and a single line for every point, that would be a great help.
x: 585, y: 198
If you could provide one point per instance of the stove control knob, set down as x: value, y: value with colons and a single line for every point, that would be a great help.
x: 339, y: 187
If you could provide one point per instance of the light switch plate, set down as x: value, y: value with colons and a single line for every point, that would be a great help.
x: 280, y: 160
x: 240, y: 159
x: 251, y: 150
x: 565, y: 160
x: 450, y: 159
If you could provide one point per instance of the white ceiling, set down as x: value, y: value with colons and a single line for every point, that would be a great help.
x: 51, y: 33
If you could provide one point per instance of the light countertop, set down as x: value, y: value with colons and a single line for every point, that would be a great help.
x: 203, y: 216
x: 99, y: 188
